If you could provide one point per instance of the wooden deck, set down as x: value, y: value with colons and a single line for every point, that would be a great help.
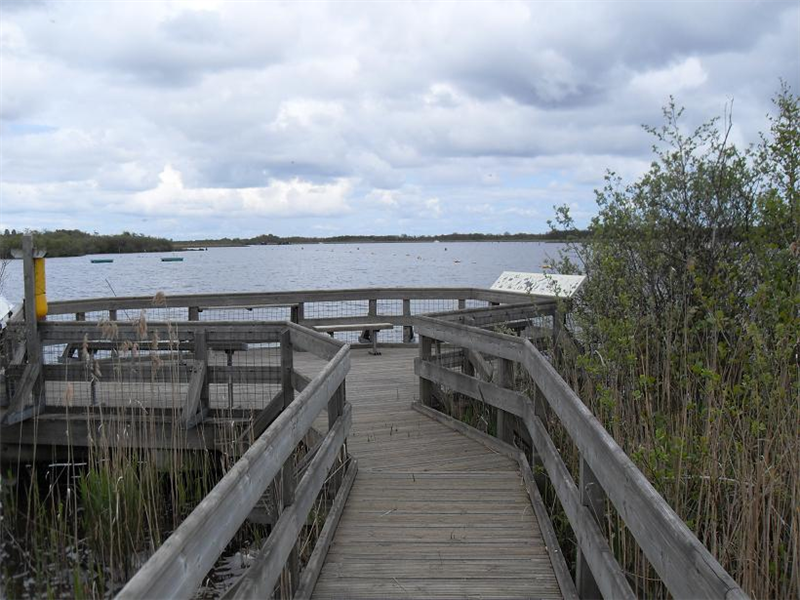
x: 432, y: 513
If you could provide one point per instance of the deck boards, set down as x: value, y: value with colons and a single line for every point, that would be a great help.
x: 432, y: 513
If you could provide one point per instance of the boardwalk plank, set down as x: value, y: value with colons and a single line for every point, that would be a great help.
x: 432, y: 513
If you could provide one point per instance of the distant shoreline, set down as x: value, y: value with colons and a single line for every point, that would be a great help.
x: 63, y: 242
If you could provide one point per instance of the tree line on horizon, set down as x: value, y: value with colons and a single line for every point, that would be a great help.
x: 73, y: 242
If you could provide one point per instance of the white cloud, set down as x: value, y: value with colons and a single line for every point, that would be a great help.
x: 292, y: 198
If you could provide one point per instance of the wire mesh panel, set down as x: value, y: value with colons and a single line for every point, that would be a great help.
x: 244, y: 377
x: 423, y: 307
x: 393, y: 307
x: 247, y: 313
x: 334, y: 309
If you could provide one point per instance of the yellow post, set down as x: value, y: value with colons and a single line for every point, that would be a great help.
x: 40, y: 282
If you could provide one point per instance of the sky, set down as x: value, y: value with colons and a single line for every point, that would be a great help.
x: 209, y: 119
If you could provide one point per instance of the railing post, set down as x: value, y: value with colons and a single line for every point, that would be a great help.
x: 408, y: 330
x: 294, y: 314
x: 288, y: 482
x: 112, y: 315
x: 335, y: 410
x: 34, y: 345
x: 594, y: 499
x: 201, y: 354
x: 373, y: 308
x: 425, y: 390
x: 462, y: 304
x: 80, y: 316
x: 537, y: 465
x: 503, y: 375
x: 194, y: 313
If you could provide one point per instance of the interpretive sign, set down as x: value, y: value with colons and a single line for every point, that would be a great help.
x: 539, y: 284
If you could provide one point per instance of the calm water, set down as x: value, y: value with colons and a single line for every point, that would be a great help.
x: 274, y: 268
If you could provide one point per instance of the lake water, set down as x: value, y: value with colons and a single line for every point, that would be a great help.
x: 277, y: 268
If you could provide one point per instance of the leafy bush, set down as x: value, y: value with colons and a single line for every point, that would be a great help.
x: 690, y: 320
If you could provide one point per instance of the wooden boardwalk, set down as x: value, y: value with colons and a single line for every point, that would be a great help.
x: 432, y: 513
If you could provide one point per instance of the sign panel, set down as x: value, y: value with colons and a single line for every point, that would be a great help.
x: 539, y: 284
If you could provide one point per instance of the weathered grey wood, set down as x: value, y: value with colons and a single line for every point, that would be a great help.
x: 487, y: 440
x: 482, y: 317
x: 288, y: 482
x: 308, y: 579
x: 359, y: 326
x: 483, y: 367
x: 479, y: 340
x: 192, y: 404
x: 194, y: 313
x: 501, y: 398
x: 256, y: 332
x: 201, y: 355
x: 260, y: 579
x: 548, y: 533
x: 408, y: 330
x: 503, y: 374
x: 593, y: 498
x: 266, y: 298
x: 179, y: 565
x: 126, y: 370
x: 425, y: 387
x: 312, y: 341
x: 559, y: 565
x: 19, y: 409
x: 683, y: 563
x: 263, y: 420
x: 32, y: 339
x: 609, y: 575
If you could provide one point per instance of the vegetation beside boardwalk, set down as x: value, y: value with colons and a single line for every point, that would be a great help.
x: 690, y: 321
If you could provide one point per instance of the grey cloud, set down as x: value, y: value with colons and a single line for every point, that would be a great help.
x: 516, y: 106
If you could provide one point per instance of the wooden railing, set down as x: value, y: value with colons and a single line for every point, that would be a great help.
x: 179, y: 565
x: 686, y: 567
x: 397, y: 306
x: 271, y: 434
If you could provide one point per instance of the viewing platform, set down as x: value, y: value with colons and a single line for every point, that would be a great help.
x: 416, y: 473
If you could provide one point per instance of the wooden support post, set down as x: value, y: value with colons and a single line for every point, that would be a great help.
x: 425, y: 386
x: 537, y: 465
x: 494, y: 304
x: 194, y: 313
x: 287, y: 367
x: 201, y: 354
x: 229, y: 356
x: 503, y: 378
x: 594, y: 499
x: 559, y: 321
x: 80, y: 316
x: 34, y: 345
x: 112, y: 315
x: 462, y: 304
x: 288, y: 481
x: 408, y: 330
x: 335, y: 410
x: 373, y: 308
x: 294, y: 314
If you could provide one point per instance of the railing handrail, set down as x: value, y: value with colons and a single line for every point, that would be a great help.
x: 246, y: 299
x: 684, y: 564
x: 179, y: 565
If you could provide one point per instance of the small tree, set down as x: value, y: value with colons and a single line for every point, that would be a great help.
x: 690, y: 316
